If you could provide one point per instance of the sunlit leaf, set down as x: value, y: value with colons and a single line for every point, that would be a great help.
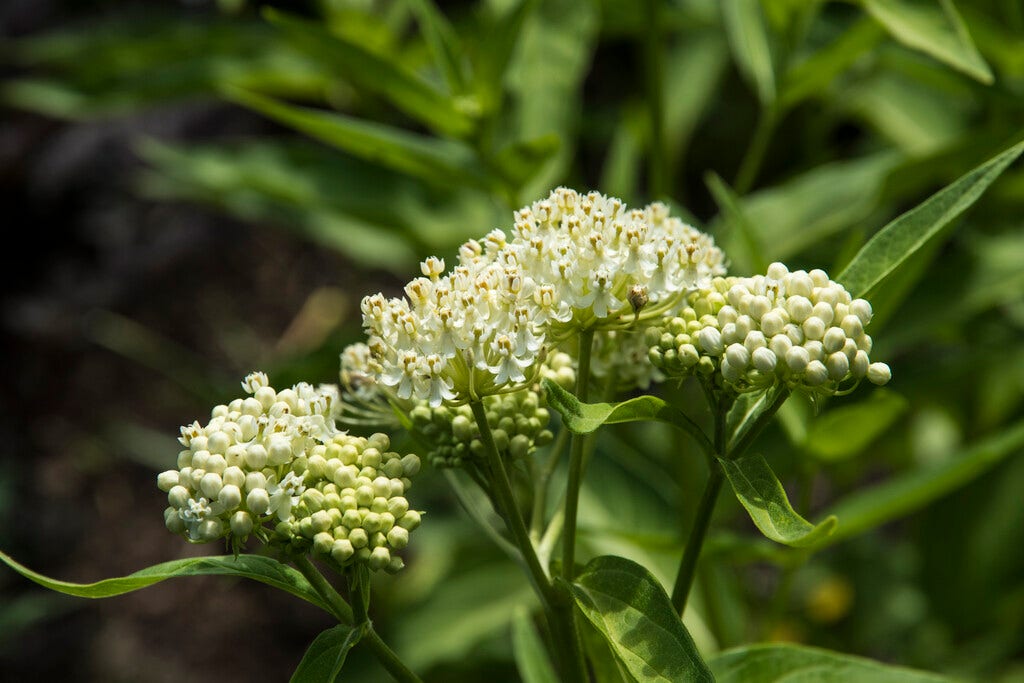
x: 846, y: 430
x: 933, y: 28
x: 325, y: 656
x: 263, y: 569
x: 761, y: 493
x: 779, y: 663
x: 633, y: 612
x: 897, y: 241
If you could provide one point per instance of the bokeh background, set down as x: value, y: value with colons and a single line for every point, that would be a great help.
x: 193, y: 190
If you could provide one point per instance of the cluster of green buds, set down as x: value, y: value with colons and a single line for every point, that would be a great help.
x: 518, y: 421
x: 801, y: 329
x: 269, y: 464
x: 620, y: 358
x: 352, y: 507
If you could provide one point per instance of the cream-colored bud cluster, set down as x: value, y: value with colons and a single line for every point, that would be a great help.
x: 620, y: 356
x: 275, y: 461
x: 234, y: 472
x: 573, y: 261
x: 352, y: 506
x: 518, y: 421
x: 799, y: 328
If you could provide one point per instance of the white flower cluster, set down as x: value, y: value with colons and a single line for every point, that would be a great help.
x: 352, y: 507
x: 235, y: 472
x: 276, y: 457
x: 573, y: 262
x: 799, y: 328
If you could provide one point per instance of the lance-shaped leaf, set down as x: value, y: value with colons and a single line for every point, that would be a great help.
x: 326, y: 654
x: 628, y: 606
x: 373, y: 73
x: 900, y: 239
x: 437, y: 161
x: 584, y: 418
x: 791, y: 663
x: 531, y: 657
x: 263, y: 569
x: 761, y: 493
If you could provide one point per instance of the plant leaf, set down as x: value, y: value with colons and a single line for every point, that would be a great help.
x: 761, y: 493
x: 748, y: 39
x: 436, y: 161
x: 632, y: 611
x: 372, y: 73
x: 257, y: 567
x: 938, y: 32
x: 897, y: 241
x: 746, y: 411
x: 531, y: 657
x: 443, y: 41
x: 777, y: 663
x: 843, y: 432
x: 326, y: 654
x: 730, y: 209
x: 584, y: 418
x: 906, y: 493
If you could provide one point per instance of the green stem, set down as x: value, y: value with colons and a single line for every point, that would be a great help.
x: 341, y: 609
x: 540, y: 496
x: 752, y: 160
x: 572, y: 492
x: 388, y: 659
x: 506, y: 502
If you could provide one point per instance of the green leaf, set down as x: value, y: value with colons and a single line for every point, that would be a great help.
x: 897, y: 241
x: 846, y: 431
x: 584, y: 418
x: 633, y: 612
x: 436, y: 161
x: 372, y: 73
x: 748, y: 39
x: 730, y: 209
x: 780, y: 663
x: 906, y: 493
x: 531, y: 657
x: 936, y: 31
x: 326, y: 654
x: 761, y: 493
x: 443, y: 41
x: 263, y: 569
x: 747, y: 409
x: 693, y: 72
x: 502, y: 35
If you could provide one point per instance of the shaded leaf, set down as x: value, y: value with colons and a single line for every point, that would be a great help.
x: 531, y: 657
x: 906, y: 493
x: 897, y: 241
x: 263, y: 569
x: 633, y: 612
x: 790, y: 663
x: 443, y: 41
x: 325, y: 656
x: 761, y: 493
x: 729, y: 207
x: 847, y: 430
x: 433, y: 160
x: 748, y: 39
x: 933, y: 28
x: 375, y: 74
x: 747, y: 409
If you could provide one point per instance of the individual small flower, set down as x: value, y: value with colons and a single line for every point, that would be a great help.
x: 799, y: 328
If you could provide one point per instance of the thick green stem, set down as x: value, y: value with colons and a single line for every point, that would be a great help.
x: 343, y: 613
x: 572, y: 492
x: 558, y: 610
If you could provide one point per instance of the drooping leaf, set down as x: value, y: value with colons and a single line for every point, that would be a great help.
x: 897, y: 241
x: 933, y: 28
x: 633, y: 612
x: 906, y: 493
x: 373, y: 73
x: 761, y: 493
x: 531, y: 657
x: 748, y: 38
x: 325, y: 656
x: 431, y: 159
x: 263, y: 569
x: 584, y: 418
x: 845, y: 431
x: 778, y: 663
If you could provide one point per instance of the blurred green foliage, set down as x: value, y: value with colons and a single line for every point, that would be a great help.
x: 792, y: 130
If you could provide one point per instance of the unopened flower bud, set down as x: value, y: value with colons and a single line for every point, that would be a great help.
x: 879, y: 373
